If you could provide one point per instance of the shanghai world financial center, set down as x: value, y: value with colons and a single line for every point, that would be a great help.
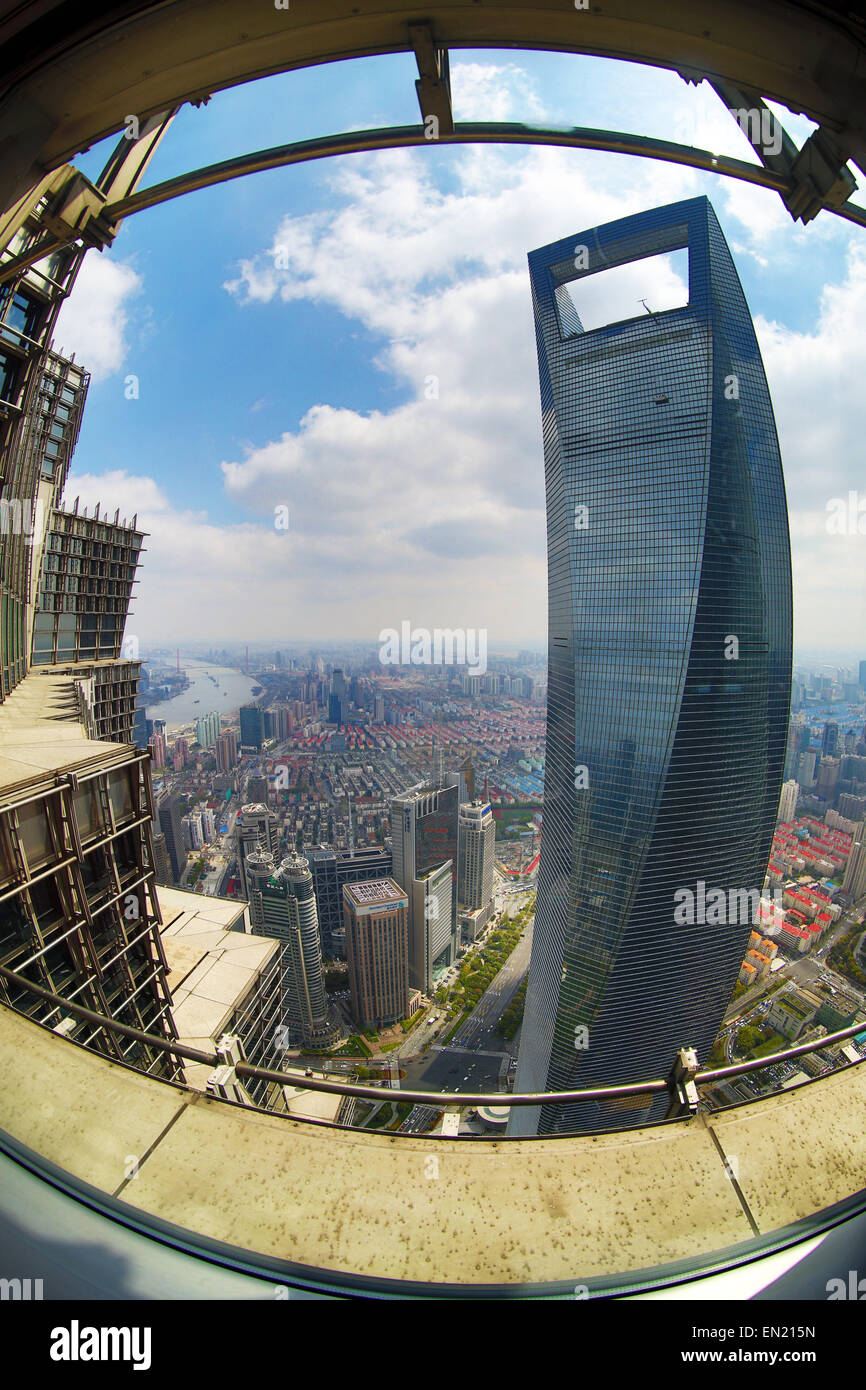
x: 669, y: 664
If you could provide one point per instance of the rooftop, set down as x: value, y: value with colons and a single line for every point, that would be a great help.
x: 41, y: 736
x: 210, y: 967
x: 370, y: 894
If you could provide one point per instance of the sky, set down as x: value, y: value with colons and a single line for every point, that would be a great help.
x: 317, y: 387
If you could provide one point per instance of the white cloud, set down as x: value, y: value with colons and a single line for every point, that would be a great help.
x: 419, y: 503
x: 820, y: 413
x: 494, y: 92
x: 196, y: 579
x: 94, y: 320
x: 433, y: 510
x: 442, y: 276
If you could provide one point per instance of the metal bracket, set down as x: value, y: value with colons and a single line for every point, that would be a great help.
x: 817, y: 174
x: 434, y: 83
x: 681, y: 1083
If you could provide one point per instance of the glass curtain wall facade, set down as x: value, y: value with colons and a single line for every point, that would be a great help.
x: 288, y: 912
x: 669, y: 666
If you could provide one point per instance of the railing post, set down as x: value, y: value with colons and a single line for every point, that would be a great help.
x: 681, y: 1083
x: 223, y: 1081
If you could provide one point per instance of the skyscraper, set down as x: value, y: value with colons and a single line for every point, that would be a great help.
x: 80, y: 914
x: 808, y: 768
x: 424, y: 838
x: 171, y: 812
x: 258, y: 868
x: 476, y: 835
x: 288, y: 912
x: 257, y: 789
x: 828, y: 778
x: 256, y: 826
x: 37, y: 437
x: 252, y: 726
x: 830, y: 739
x: 88, y: 571
x: 331, y: 869
x: 431, y: 938
x: 161, y: 864
x: 669, y: 661
x: 376, y: 917
x: 854, y: 882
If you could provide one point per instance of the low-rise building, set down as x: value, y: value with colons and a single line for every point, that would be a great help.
x: 791, y: 1012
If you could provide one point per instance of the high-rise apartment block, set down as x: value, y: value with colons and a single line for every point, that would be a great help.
x: 207, y: 729
x: 788, y: 802
x: 192, y: 831
x: 226, y: 751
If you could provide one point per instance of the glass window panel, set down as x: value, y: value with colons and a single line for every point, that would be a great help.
x: 121, y: 794
x: 35, y: 834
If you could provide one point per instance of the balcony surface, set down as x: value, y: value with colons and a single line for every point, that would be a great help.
x: 426, y: 1209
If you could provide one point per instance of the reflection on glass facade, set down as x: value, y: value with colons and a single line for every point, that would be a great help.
x: 670, y: 664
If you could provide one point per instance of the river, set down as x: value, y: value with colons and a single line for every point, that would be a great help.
x: 230, y: 692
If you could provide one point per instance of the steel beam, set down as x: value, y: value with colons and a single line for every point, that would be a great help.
x: 62, y: 232
x: 71, y: 75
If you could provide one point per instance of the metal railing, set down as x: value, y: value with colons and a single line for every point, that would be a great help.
x: 440, y: 1099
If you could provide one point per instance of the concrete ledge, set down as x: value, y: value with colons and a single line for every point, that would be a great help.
x: 427, y: 1209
